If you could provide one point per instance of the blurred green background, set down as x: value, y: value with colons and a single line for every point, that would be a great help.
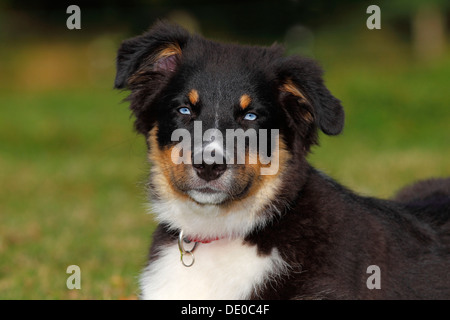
x: 73, y: 172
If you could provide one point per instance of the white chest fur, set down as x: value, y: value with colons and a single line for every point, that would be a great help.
x: 223, y: 269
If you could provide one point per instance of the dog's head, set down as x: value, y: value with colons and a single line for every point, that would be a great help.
x: 224, y: 123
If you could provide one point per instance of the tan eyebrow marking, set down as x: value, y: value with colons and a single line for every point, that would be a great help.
x: 245, y: 101
x: 193, y: 96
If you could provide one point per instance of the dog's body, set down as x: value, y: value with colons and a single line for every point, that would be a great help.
x: 320, y: 249
x: 292, y: 234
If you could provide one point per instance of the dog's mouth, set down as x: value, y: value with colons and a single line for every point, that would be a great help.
x: 209, y: 190
x: 213, y: 192
x: 208, y: 196
x: 227, y: 188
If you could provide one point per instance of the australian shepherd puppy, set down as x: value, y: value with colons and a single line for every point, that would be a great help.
x: 242, y: 215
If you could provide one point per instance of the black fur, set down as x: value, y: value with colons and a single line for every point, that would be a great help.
x: 332, y: 235
x: 327, y: 234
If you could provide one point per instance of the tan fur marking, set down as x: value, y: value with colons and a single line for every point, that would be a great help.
x: 308, y: 117
x: 141, y: 75
x: 290, y: 87
x: 264, y: 188
x: 193, y: 96
x: 245, y: 101
x: 163, y: 168
x: 170, y: 50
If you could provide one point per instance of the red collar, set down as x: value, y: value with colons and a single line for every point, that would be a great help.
x: 203, y: 240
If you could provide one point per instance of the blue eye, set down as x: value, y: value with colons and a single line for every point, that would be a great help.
x: 184, y: 110
x: 250, y: 116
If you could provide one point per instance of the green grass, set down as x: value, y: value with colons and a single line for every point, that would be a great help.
x: 397, y: 111
x: 397, y: 126
x: 72, y: 192
x: 73, y: 172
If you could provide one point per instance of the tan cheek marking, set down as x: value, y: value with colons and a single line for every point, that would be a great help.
x: 265, y: 186
x: 193, y: 96
x: 163, y: 167
x: 245, y: 101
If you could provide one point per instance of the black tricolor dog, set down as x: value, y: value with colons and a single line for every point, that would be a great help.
x: 229, y: 232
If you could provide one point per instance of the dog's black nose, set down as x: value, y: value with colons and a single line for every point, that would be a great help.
x: 209, y: 172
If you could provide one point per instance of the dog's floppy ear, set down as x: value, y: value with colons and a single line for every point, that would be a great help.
x: 305, y: 96
x: 157, y: 50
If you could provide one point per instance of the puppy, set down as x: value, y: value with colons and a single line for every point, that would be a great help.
x: 242, y: 215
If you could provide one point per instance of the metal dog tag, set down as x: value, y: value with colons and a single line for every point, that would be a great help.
x: 184, y: 252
